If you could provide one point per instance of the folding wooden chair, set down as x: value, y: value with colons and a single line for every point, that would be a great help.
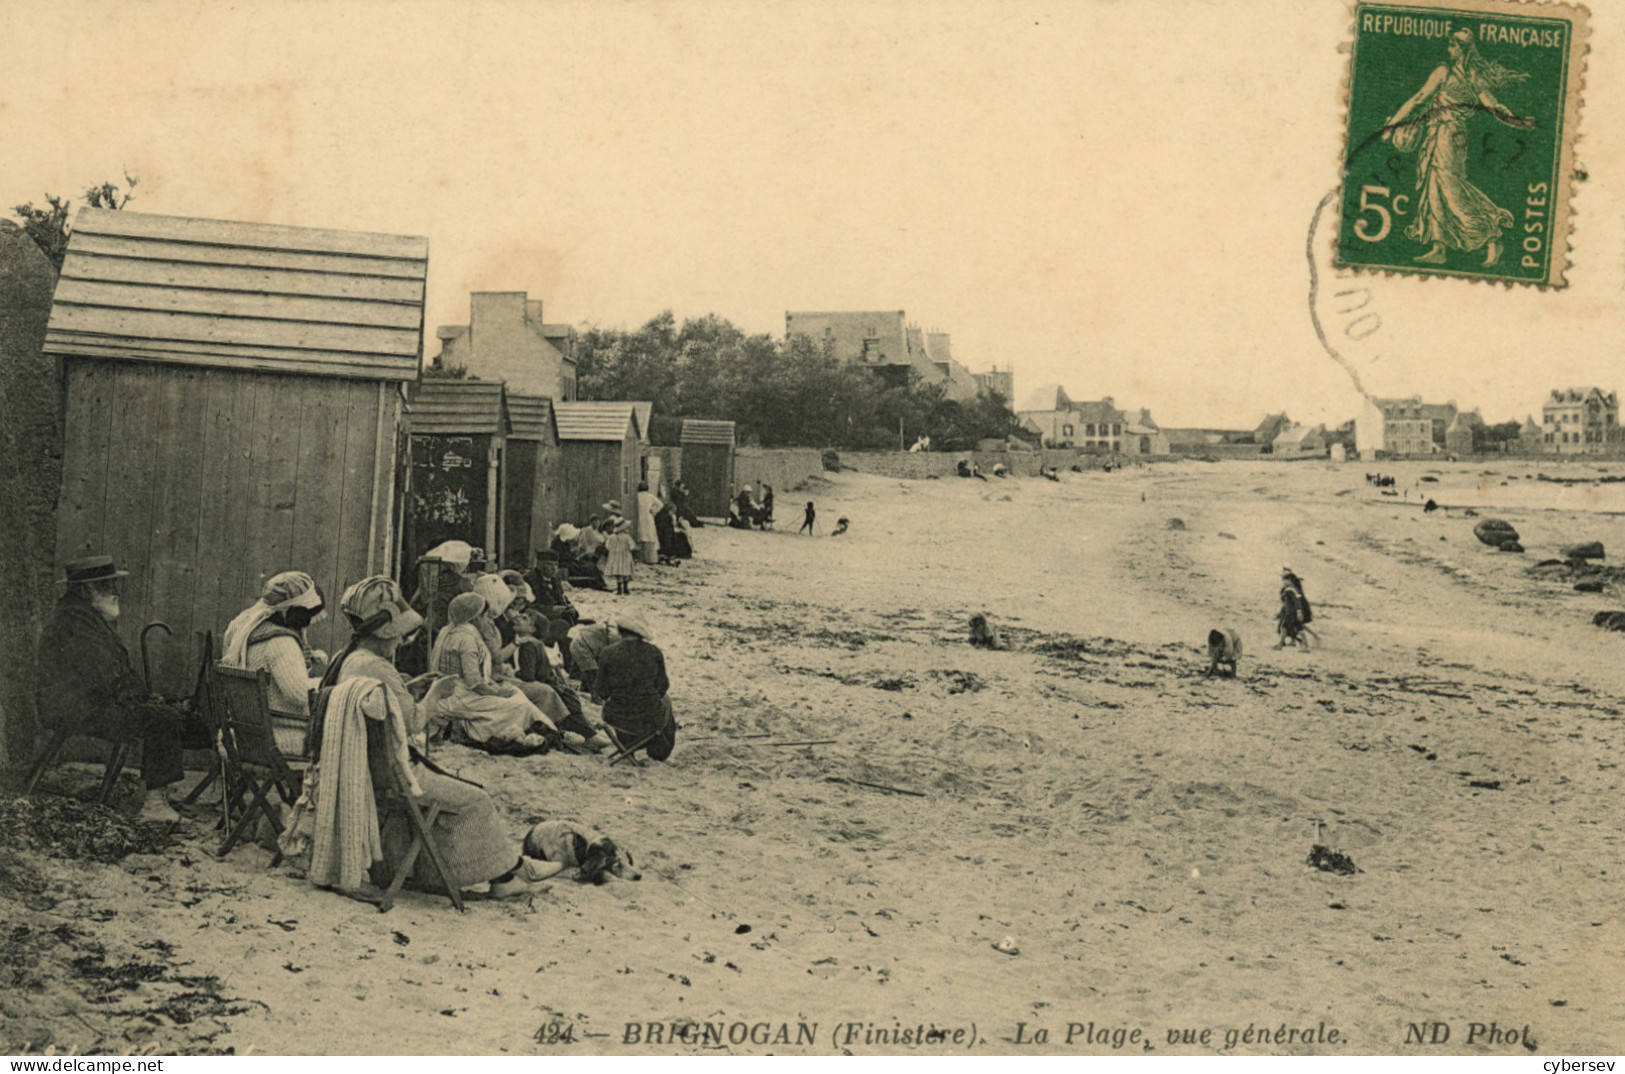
x: 243, y: 702
x: 624, y: 752
x: 203, y: 701
x: 115, y: 762
x: 395, y: 794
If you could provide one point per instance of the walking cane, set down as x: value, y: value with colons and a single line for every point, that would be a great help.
x: 146, y: 662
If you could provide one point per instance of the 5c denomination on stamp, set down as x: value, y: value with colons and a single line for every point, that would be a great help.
x: 1462, y: 116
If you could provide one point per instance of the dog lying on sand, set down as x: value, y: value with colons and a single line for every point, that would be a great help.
x: 1223, y: 651
x: 596, y: 858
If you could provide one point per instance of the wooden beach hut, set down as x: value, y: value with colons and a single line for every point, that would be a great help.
x: 708, y: 466
x: 233, y: 398
x: 600, y: 457
x: 532, y: 480
x: 458, y: 430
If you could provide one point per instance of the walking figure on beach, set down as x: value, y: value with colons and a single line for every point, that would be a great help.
x: 1293, y: 619
x: 1450, y: 211
x: 808, y: 521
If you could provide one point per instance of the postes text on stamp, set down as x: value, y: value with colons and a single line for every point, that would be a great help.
x: 1460, y: 151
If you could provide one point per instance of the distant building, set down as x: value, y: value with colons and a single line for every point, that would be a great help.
x: 1531, y: 438
x: 1299, y: 441
x: 506, y: 339
x: 1143, y: 437
x: 1395, y: 426
x: 883, y: 340
x: 1271, y: 427
x: 1000, y: 381
x: 1458, y: 438
x: 1440, y: 416
x: 1579, y: 421
x: 1193, y: 440
x: 1094, y: 426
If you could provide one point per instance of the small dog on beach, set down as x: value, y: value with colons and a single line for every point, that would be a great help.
x: 596, y: 858
x: 1223, y: 652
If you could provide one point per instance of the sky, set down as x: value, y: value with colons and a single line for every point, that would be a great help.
x: 1111, y: 196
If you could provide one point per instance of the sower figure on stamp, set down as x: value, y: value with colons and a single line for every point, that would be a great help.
x: 1450, y: 211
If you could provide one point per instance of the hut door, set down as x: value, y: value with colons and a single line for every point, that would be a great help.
x: 448, y: 494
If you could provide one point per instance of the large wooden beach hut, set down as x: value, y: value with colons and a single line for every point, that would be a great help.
x: 601, y: 450
x: 532, y: 479
x: 708, y: 466
x: 458, y: 431
x: 233, y: 398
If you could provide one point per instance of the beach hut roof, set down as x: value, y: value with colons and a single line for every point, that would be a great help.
x: 246, y: 296
x: 457, y: 408
x: 531, y: 418
x: 697, y: 431
x: 596, y: 420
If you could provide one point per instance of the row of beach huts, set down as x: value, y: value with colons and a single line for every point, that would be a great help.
x: 241, y: 399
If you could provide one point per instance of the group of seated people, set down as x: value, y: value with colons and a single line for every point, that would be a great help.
x: 499, y: 679
x: 746, y: 512
x: 587, y: 554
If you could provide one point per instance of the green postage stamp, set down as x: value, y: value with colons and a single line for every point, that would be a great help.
x: 1460, y: 154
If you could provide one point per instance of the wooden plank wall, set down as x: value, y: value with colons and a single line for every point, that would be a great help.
x: 547, y: 506
x: 518, y: 503
x: 708, y: 471
x: 590, y: 472
x: 203, y: 483
x: 631, y: 474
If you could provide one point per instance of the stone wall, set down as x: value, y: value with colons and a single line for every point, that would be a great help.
x: 30, y: 476
x: 1221, y: 451
x: 783, y: 468
x: 924, y: 464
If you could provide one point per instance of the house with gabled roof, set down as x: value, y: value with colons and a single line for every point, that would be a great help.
x: 1296, y: 441
x: 1579, y: 421
x: 506, y: 339
x: 1394, y: 427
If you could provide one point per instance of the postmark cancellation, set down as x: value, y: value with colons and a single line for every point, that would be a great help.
x: 1459, y: 152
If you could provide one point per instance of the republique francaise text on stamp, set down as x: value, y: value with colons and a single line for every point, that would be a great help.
x: 1462, y: 116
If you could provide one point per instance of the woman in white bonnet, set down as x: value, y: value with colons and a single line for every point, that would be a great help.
x: 269, y: 636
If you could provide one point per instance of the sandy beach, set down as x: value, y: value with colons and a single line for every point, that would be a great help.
x: 1138, y: 830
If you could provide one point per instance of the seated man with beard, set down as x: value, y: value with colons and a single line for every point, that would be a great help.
x: 86, y: 682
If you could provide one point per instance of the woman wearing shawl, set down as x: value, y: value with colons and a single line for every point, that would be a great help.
x: 1450, y: 211
x: 487, y: 711
x: 270, y: 636
x: 356, y: 747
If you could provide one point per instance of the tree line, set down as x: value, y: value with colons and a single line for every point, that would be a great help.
x: 778, y: 393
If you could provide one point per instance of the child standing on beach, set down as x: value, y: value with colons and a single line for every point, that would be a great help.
x: 620, y: 547
x: 807, y: 523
